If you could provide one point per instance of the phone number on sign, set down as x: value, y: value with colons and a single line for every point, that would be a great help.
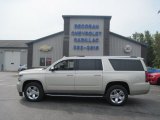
x: 77, y: 47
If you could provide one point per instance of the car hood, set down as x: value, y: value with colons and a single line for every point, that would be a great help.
x: 37, y: 70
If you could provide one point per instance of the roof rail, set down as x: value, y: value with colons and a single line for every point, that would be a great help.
x: 78, y: 56
x: 133, y: 56
x: 81, y: 56
x: 124, y: 56
x: 121, y: 56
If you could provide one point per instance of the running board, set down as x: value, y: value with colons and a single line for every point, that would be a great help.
x: 74, y: 95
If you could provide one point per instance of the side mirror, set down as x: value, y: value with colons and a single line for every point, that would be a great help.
x: 52, y: 69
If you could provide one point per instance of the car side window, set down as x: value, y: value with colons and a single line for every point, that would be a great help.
x: 65, y: 65
x: 89, y: 64
x: 126, y: 65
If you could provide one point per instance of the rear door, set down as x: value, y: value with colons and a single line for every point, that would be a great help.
x: 88, y: 77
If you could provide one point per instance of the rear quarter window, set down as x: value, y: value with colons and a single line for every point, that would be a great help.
x: 126, y: 65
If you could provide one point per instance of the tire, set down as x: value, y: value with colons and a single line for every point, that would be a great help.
x: 33, y: 92
x: 116, y: 95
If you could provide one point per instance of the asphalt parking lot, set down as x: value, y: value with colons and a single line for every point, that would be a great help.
x: 14, y: 107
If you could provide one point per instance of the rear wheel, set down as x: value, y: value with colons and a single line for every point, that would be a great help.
x: 117, y: 95
x: 33, y: 92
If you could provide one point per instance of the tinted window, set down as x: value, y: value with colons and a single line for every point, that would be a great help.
x: 42, y: 61
x: 65, y: 65
x: 89, y: 64
x: 126, y: 65
x: 45, y: 61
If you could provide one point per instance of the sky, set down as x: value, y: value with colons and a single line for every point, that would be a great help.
x: 33, y: 19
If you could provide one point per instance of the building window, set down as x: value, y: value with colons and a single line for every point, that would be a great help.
x: 46, y: 61
x: 42, y: 61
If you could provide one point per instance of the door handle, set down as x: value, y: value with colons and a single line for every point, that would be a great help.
x: 69, y: 75
x: 97, y: 75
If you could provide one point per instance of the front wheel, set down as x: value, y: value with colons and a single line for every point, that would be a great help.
x: 116, y: 95
x: 33, y: 92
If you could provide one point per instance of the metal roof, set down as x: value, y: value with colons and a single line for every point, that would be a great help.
x: 128, y: 39
x: 13, y: 43
x: 43, y: 38
x: 86, y: 16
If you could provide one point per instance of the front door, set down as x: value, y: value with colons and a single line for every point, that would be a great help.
x: 61, y: 80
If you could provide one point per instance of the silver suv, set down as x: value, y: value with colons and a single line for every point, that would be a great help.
x: 113, y: 77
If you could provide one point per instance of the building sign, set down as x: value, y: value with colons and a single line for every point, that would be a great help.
x: 86, y: 37
x: 45, y: 48
x: 128, y: 49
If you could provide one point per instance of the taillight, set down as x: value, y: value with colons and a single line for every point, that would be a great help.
x: 147, y: 76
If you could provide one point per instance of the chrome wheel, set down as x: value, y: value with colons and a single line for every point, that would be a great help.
x: 117, y: 96
x: 32, y: 92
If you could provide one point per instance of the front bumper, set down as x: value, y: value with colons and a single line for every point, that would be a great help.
x: 19, y: 88
x: 153, y: 81
x: 20, y: 93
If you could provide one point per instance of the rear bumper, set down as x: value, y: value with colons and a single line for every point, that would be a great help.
x: 140, y: 88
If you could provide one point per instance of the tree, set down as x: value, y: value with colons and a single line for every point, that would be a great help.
x: 139, y: 37
x: 135, y: 36
x: 150, y: 50
x: 157, y: 49
x: 146, y: 38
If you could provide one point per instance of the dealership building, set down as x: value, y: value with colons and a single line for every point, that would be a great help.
x: 82, y: 36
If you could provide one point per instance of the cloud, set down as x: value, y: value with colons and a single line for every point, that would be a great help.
x: 32, y: 19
